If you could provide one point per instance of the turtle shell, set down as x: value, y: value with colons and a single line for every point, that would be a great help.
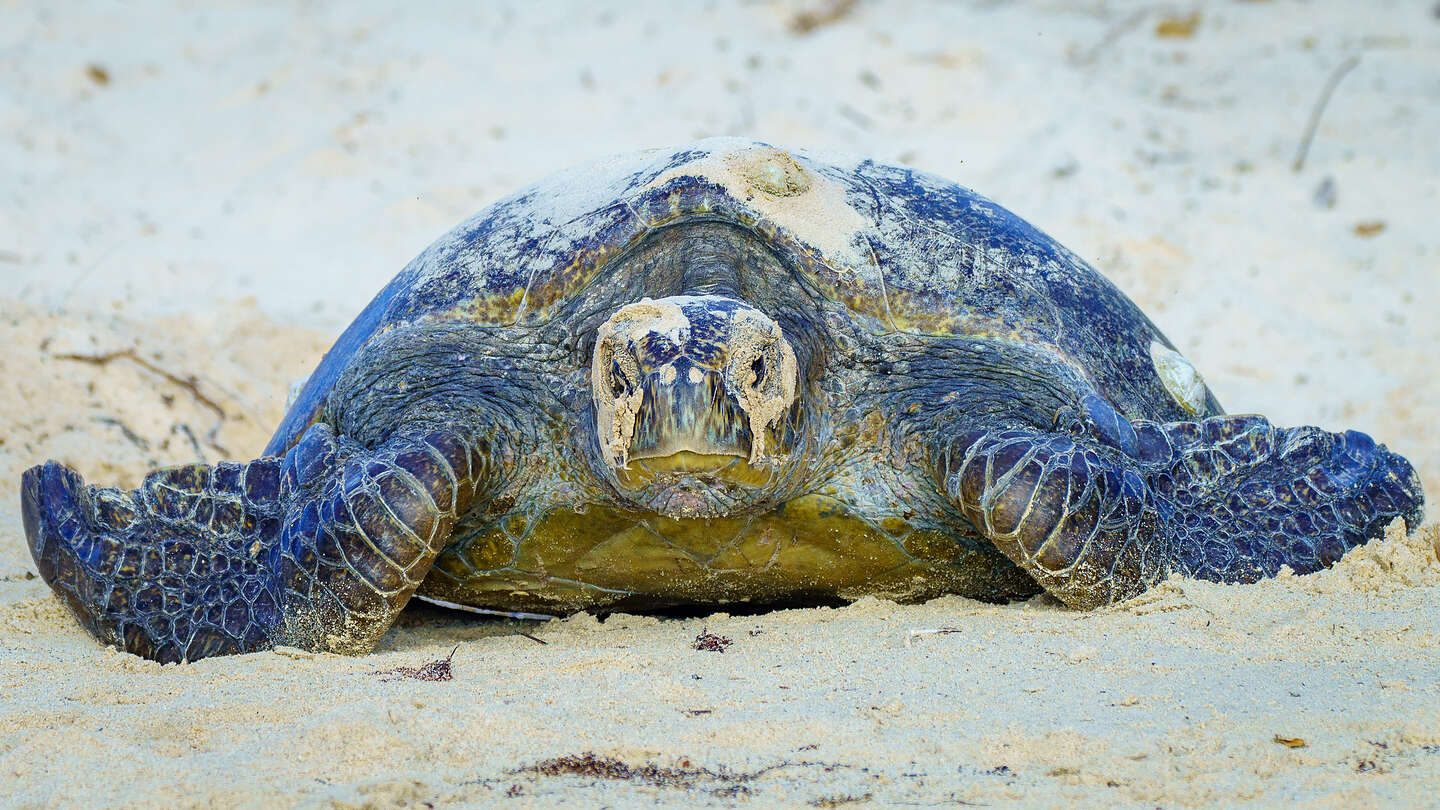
x: 905, y: 251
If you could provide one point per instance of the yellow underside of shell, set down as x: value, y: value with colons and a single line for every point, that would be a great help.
x: 813, y: 547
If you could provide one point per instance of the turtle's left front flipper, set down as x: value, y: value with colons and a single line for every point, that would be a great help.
x: 319, y: 549
x: 1099, y: 509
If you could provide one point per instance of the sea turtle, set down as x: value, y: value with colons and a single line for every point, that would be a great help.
x: 723, y: 373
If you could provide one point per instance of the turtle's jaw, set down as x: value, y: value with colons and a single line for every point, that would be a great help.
x: 719, y: 470
x: 685, y: 462
x: 690, y: 453
x: 695, y: 485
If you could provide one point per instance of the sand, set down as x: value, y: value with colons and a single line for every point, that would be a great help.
x: 194, y: 215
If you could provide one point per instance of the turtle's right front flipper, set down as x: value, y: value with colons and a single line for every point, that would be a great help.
x: 319, y: 549
x: 1099, y: 509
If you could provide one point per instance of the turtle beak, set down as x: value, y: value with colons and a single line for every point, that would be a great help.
x: 696, y: 380
x: 686, y: 408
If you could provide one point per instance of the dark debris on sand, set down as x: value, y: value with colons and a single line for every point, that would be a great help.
x: 722, y: 782
x: 437, y: 670
x: 709, y: 642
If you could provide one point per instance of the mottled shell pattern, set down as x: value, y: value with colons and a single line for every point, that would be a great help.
x: 905, y: 251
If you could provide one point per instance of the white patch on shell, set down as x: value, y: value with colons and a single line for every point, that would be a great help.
x: 784, y: 190
x: 531, y: 233
x: 1179, y: 377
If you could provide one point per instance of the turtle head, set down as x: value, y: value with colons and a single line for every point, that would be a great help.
x: 691, y: 395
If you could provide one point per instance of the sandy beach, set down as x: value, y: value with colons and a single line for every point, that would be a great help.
x: 197, y: 200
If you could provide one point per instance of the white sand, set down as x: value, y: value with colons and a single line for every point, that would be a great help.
x: 302, y: 156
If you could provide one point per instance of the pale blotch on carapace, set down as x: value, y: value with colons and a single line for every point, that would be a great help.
x: 1180, y: 378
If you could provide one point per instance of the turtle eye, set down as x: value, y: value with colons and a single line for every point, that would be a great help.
x: 618, y: 384
x: 758, y: 369
x: 624, y: 376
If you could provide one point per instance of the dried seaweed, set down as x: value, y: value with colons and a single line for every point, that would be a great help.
x: 684, y: 775
x: 709, y: 642
x: 437, y: 670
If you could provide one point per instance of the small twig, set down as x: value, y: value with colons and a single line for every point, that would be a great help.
x: 937, y: 631
x: 125, y: 430
x: 596, y: 766
x: 194, y: 442
x: 1319, y: 109
x: 1111, y: 36
x: 534, y: 639
x: 189, y: 383
x: 293, y: 652
x: 529, y: 617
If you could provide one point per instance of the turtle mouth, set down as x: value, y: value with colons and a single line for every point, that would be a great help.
x: 718, y: 468
x: 695, y: 485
